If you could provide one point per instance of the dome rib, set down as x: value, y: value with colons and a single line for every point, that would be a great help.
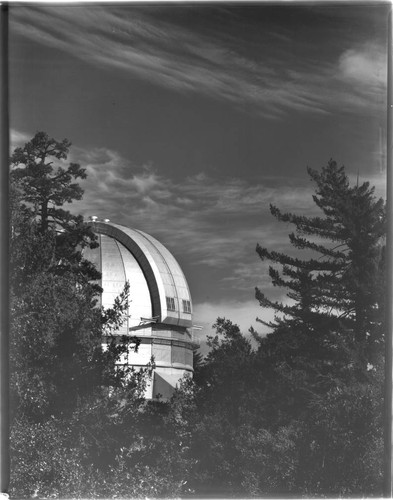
x: 164, y: 260
x: 118, y: 232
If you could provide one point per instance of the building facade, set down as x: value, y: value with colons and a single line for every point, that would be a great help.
x: 160, y: 306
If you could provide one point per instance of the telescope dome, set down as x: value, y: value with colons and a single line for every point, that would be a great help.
x: 160, y: 305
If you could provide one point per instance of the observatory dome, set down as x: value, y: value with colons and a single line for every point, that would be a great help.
x: 160, y: 306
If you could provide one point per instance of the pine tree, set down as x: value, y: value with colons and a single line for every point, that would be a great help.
x: 338, y: 285
x: 40, y: 186
x: 46, y: 184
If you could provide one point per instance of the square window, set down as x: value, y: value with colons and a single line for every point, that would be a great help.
x: 187, y: 306
x: 170, y: 304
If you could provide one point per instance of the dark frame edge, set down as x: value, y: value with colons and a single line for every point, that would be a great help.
x: 4, y: 252
x: 388, y: 490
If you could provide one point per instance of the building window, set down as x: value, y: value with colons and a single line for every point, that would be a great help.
x: 187, y: 306
x: 170, y: 304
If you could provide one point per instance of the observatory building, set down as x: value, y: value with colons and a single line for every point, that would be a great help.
x: 160, y: 308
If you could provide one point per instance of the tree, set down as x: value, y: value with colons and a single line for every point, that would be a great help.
x: 47, y: 185
x: 320, y: 364
x: 338, y: 287
x: 225, y: 399
x: 40, y: 186
x: 340, y: 442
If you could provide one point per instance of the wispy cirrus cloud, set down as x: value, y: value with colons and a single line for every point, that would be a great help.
x: 173, y: 55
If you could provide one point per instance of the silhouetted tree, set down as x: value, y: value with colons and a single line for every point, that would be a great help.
x: 340, y: 288
x: 45, y: 183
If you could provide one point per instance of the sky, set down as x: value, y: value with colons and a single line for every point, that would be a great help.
x: 191, y: 119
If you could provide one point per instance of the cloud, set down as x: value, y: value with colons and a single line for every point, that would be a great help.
x: 177, y: 56
x: 365, y: 66
x: 243, y: 314
x: 18, y: 139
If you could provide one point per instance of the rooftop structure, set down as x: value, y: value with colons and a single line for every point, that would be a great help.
x: 160, y: 306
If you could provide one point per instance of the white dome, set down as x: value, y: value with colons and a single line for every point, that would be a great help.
x: 160, y: 307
